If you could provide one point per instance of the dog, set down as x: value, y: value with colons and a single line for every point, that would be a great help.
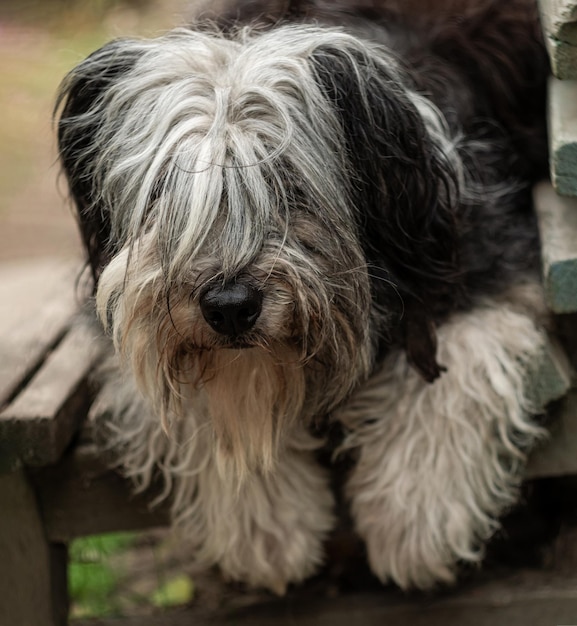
x: 308, y: 215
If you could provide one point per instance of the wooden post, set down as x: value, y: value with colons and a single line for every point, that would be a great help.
x: 31, y: 571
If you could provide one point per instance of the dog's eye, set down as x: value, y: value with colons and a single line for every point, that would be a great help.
x: 309, y: 247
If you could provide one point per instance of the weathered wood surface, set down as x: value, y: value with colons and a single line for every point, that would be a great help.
x: 557, y: 217
x: 46, y: 356
x: 520, y: 599
x: 552, y: 377
x: 26, y: 591
x: 36, y: 302
x: 558, y: 456
x: 559, y: 21
x: 40, y: 422
x: 562, y: 111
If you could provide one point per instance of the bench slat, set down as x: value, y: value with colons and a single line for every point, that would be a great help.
x: 36, y: 304
x: 558, y: 226
x: 552, y: 376
x: 563, y: 135
x: 559, y: 21
x: 558, y: 457
x: 39, y: 423
x: 508, y: 599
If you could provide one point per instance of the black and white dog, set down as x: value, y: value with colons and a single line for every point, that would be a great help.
x: 311, y: 213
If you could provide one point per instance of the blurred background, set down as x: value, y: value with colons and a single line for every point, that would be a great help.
x: 40, y: 40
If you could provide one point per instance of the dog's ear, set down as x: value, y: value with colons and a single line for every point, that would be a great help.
x: 402, y: 182
x: 80, y: 102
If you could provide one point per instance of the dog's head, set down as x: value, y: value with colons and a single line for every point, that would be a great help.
x: 256, y: 209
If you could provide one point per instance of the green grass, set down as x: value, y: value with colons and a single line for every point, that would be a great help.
x: 101, y: 581
x: 92, y: 581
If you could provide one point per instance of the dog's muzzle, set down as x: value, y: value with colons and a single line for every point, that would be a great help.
x: 232, y: 309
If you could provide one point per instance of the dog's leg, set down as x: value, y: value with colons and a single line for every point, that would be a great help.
x: 266, y: 530
x: 438, y: 463
x: 269, y: 530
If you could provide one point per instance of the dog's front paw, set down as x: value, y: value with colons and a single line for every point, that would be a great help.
x: 277, y: 541
x: 439, y: 463
x: 270, y: 530
x: 419, y: 546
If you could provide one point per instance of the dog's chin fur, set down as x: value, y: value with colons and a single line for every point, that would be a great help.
x: 368, y: 177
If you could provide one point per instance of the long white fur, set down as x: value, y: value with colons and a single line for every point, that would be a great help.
x: 438, y: 464
x: 215, y: 109
x: 267, y: 530
x: 199, y: 113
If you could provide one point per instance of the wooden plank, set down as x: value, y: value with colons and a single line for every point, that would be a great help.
x: 563, y: 135
x: 552, y: 376
x: 520, y: 599
x: 80, y: 496
x: 25, y: 568
x: 558, y: 457
x: 559, y: 20
x: 552, y: 380
x: 58, y: 555
x: 557, y: 217
x: 37, y: 426
x: 36, y: 303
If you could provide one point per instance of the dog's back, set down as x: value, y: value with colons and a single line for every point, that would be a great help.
x: 476, y: 60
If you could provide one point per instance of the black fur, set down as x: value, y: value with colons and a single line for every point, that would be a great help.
x: 78, y: 92
x: 404, y: 192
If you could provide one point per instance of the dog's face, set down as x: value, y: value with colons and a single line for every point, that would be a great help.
x: 254, y: 209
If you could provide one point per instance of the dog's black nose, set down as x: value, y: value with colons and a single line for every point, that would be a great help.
x: 231, y: 310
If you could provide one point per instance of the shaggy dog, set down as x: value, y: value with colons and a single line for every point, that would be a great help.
x: 312, y: 213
